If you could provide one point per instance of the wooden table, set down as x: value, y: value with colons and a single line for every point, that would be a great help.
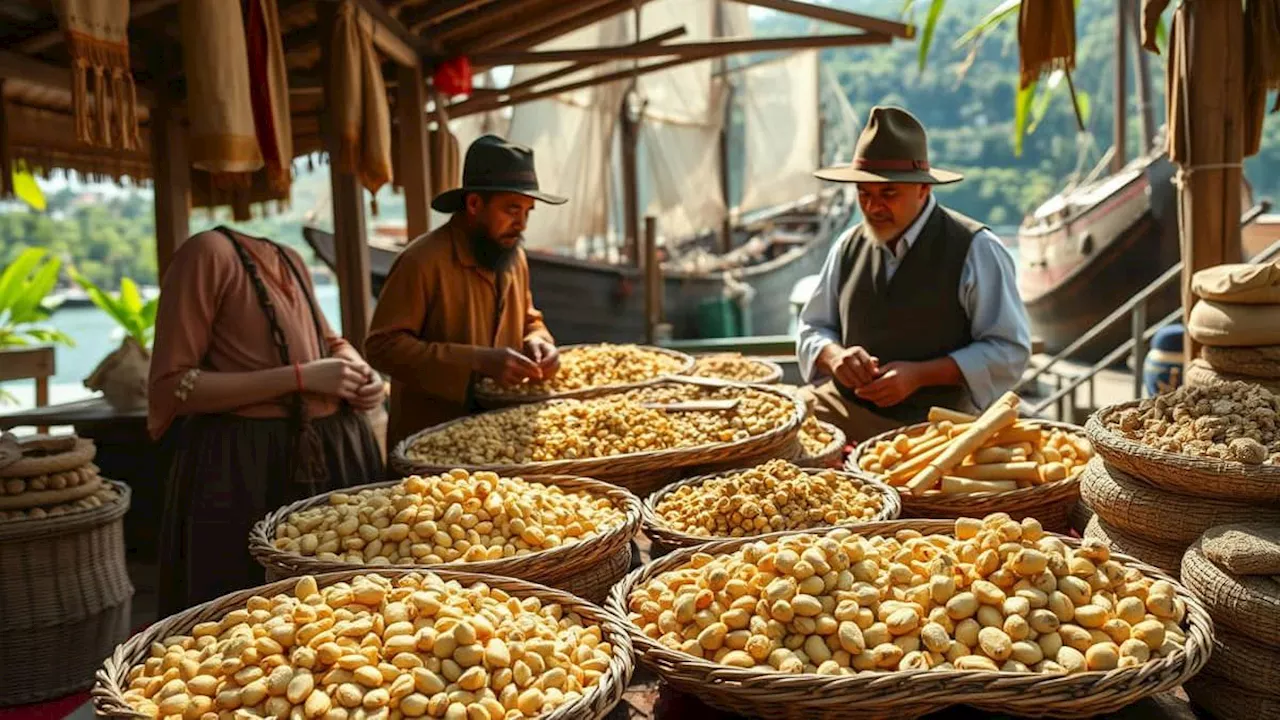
x: 125, y: 452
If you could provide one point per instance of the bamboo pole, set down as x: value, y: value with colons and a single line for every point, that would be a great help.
x: 839, y: 17
x: 580, y: 66
x: 653, y: 280
x: 534, y: 38
x: 1142, y: 79
x: 697, y: 50
x: 1121, y: 99
x: 630, y: 127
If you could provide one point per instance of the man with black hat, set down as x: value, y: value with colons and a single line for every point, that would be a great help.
x: 456, y: 303
x: 917, y: 305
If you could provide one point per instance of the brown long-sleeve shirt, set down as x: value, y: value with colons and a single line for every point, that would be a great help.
x: 435, y: 311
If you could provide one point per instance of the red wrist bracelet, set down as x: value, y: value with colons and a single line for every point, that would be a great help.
x: 297, y: 374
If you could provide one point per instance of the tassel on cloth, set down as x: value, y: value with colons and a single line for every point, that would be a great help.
x: 106, y: 110
x: 1046, y: 38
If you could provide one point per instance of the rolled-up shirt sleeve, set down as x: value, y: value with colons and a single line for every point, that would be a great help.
x: 994, y: 362
x: 819, y: 323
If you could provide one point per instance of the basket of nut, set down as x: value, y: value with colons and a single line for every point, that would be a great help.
x: 1221, y: 441
x: 399, y: 643
x: 759, y: 500
x: 821, y: 444
x: 957, y: 464
x: 736, y: 367
x: 588, y: 370
x: 641, y: 438
x: 565, y: 532
x: 901, y: 618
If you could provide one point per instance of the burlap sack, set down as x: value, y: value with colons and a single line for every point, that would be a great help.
x: 1165, y: 557
x: 1257, y: 362
x: 1201, y: 374
x: 1234, y: 325
x: 1240, y: 283
x: 1245, y: 548
x: 1246, y: 604
x: 1228, y: 701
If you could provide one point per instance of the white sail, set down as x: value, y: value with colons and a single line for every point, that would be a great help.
x: 780, y: 103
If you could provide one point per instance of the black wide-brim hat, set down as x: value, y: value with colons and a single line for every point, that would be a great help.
x: 495, y: 165
x: 893, y: 147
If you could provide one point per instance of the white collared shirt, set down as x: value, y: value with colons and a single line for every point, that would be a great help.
x: 992, y: 364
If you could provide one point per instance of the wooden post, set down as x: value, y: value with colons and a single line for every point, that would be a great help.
x: 411, y: 106
x: 1142, y: 79
x: 351, y: 248
x: 1210, y: 187
x: 652, y: 280
x: 726, y: 116
x: 630, y: 183
x: 172, y: 204
x: 1121, y: 99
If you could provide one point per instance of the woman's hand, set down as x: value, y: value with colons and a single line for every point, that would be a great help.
x: 371, y: 394
x: 336, y: 377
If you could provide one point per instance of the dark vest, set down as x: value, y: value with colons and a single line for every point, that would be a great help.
x: 918, y: 316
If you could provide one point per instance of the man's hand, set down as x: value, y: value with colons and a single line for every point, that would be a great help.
x: 544, y: 354
x: 505, y: 365
x: 895, y: 384
x: 371, y: 394
x: 852, y: 367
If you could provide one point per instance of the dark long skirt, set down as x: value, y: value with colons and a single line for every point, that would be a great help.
x: 228, y: 472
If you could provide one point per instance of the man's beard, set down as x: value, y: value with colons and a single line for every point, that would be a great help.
x: 490, y: 253
x: 880, y: 237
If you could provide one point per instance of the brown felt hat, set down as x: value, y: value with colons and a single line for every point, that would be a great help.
x: 495, y: 165
x: 893, y: 147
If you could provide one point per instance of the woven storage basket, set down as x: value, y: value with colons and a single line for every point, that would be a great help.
x: 64, y: 599
x: 664, y: 539
x: 112, y: 677
x: 31, y: 465
x: 1181, y: 474
x: 1255, y: 362
x: 1165, y: 557
x: 1049, y: 503
x: 1245, y: 661
x: 641, y: 473
x: 492, y: 400
x: 1201, y: 374
x: 1140, y: 510
x: 774, y: 369
x: 1228, y: 701
x: 1246, y: 604
x: 1079, y: 516
x: 832, y: 455
x: 586, y: 569
x: 909, y: 694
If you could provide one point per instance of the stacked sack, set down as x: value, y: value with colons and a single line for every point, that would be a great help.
x: 1237, y: 320
x: 1234, y: 570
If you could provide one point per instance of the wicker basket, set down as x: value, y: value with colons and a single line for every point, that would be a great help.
x: 586, y: 569
x: 641, y: 473
x: 1049, y: 503
x: 493, y: 401
x: 773, y: 368
x: 1079, y: 516
x: 1250, y: 664
x: 832, y: 455
x: 909, y: 694
x: 64, y: 599
x: 596, y: 702
x: 1246, y: 604
x: 1182, y: 474
x: 1138, y: 509
x: 1165, y: 557
x: 1201, y: 374
x: 665, y: 539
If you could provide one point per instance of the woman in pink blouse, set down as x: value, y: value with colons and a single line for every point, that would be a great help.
x: 267, y: 403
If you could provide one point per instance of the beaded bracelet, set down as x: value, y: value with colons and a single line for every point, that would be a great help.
x: 186, y: 384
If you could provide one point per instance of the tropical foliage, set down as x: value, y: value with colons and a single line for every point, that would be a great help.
x: 24, y: 285
x: 135, y: 317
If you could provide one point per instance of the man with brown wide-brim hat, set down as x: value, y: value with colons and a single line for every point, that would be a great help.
x: 457, y: 304
x: 917, y: 305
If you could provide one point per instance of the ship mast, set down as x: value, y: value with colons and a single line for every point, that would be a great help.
x: 1120, y: 156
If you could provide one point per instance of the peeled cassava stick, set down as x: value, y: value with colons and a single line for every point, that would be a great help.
x: 959, y: 485
x: 906, y: 470
x: 998, y: 454
x: 1019, y: 433
x: 1001, y: 414
x: 938, y: 414
x: 1028, y: 471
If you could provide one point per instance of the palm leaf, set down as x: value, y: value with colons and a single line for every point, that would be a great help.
x: 26, y: 305
x: 990, y: 22
x: 930, y: 24
x: 27, y: 190
x: 15, y: 276
x: 1022, y: 114
x: 1162, y: 35
x: 1041, y: 105
x: 105, y: 302
x: 50, y: 336
x: 130, y: 299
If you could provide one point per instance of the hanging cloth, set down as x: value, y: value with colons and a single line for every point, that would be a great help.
x: 98, y: 41
x: 364, y: 122
x: 269, y: 91
x: 1046, y: 38
x: 1151, y: 12
x: 219, y: 105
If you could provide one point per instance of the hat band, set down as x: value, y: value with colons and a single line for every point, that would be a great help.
x: 900, y: 165
x: 500, y: 178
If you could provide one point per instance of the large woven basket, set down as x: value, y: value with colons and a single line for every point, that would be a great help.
x: 1139, y: 509
x: 64, y: 599
x: 1201, y: 374
x: 491, y: 400
x: 832, y: 455
x: 1164, y: 556
x: 773, y: 369
x: 1246, y: 604
x: 664, y: 539
x: 1226, y: 700
x: 1182, y: 474
x: 596, y: 702
x: 643, y: 472
x: 586, y: 569
x: 1049, y: 503
x: 1250, y: 664
x: 909, y: 694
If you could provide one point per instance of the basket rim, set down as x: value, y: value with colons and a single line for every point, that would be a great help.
x: 82, y: 453
x: 262, y: 548
x: 937, y: 688
x: 1110, y: 443
x: 655, y: 528
x: 500, y: 400
x: 775, y: 369
x: 54, y: 525
x: 615, y: 464
x: 111, y: 679
x: 1064, y: 487
x: 839, y: 440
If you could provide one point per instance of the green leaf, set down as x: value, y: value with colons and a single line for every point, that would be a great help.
x: 130, y: 299
x: 930, y: 24
x: 105, y: 302
x: 148, y: 314
x: 1021, y: 115
x: 7, y: 398
x: 15, y: 276
x: 1085, y: 104
x: 992, y: 20
x: 1162, y: 35
x: 51, y: 337
x: 1041, y: 105
x: 27, y: 190
x: 26, y: 305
